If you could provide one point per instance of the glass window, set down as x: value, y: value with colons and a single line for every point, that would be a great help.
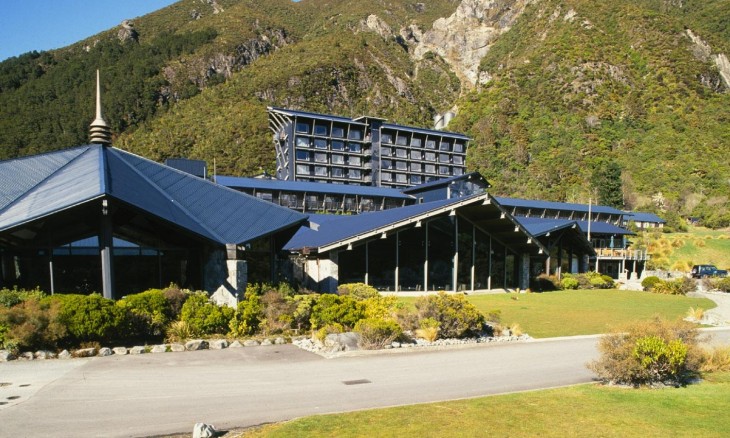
x: 320, y: 129
x: 401, y: 153
x: 458, y: 147
x: 458, y: 159
x: 443, y: 158
x: 386, y: 138
x: 303, y: 169
x: 415, y: 179
x: 320, y: 143
x: 302, y: 142
x: 355, y: 174
x: 401, y: 165
x: 430, y: 168
x: 401, y: 140
x: 338, y: 159
x: 458, y: 171
x: 338, y: 131
x: 415, y: 167
x: 386, y: 152
x: 320, y: 170
x: 355, y: 134
x: 337, y: 145
x: 354, y: 147
x: 386, y: 176
x: 265, y: 196
x: 430, y: 144
x: 303, y: 127
x: 355, y: 161
x: 401, y: 178
x: 337, y: 172
x: 445, y: 146
x: 443, y: 170
x: 416, y: 142
x: 416, y: 155
x: 302, y: 155
x: 430, y: 156
x: 320, y: 157
x: 386, y: 164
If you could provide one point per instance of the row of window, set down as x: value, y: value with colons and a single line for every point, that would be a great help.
x: 325, y: 158
x: 417, y: 142
x: 326, y: 130
x: 428, y: 156
x: 328, y: 172
x: 334, y: 145
x: 415, y: 179
x: 328, y: 202
x: 421, y: 168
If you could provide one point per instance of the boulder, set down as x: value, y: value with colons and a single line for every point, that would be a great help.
x: 202, y: 430
x: 218, y: 344
x: 159, y: 349
x: 279, y: 341
x: 105, y: 351
x: 6, y: 355
x: 26, y: 355
x: 85, y: 352
x: 251, y: 343
x: 266, y: 342
x: 121, y: 351
x: 236, y: 344
x: 44, y: 354
x: 137, y: 350
x: 177, y: 347
x: 196, y: 344
x: 64, y: 355
x: 342, y: 341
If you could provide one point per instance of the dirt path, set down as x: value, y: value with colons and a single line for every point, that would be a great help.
x: 720, y: 315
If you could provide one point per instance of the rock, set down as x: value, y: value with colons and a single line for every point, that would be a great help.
x: 342, y: 341
x: 251, y: 343
x: 266, y: 342
x: 395, y: 344
x: 218, y: 344
x: 6, y: 355
x: 127, y: 32
x: 177, y: 348
x: 196, y: 344
x: 64, y: 355
x: 202, y: 430
x: 159, y: 349
x: 121, y: 351
x: 104, y: 352
x: 236, y: 344
x: 44, y: 354
x: 85, y: 352
x: 137, y: 350
x: 279, y: 341
x: 377, y: 25
x: 26, y: 355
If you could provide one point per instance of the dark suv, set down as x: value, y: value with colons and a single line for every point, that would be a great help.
x: 702, y: 271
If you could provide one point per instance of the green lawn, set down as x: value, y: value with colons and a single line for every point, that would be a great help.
x: 582, y: 312
x: 699, y: 410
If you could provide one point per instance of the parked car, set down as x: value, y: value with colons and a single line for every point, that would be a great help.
x: 702, y: 271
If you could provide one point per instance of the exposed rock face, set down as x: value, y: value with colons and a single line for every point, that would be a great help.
x: 217, y: 9
x: 465, y: 37
x: 377, y: 25
x: 703, y: 52
x: 127, y: 32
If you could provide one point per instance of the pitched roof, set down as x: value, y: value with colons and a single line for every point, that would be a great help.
x: 540, y: 226
x: 643, y: 217
x: 38, y: 186
x: 550, y: 205
x: 309, y: 187
x: 476, y: 176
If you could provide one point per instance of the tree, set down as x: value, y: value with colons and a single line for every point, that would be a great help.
x: 606, y: 181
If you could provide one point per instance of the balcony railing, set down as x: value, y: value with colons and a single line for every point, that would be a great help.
x: 617, y: 253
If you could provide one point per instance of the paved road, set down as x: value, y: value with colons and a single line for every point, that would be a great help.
x: 167, y: 393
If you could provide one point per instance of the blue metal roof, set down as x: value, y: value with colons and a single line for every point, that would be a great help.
x: 309, y: 187
x: 328, y: 117
x: 473, y: 176
x: 539, y: 226
x: 643, y: 217
x: 338, y: 228
x: 603, y: 228
x: 426, y: 131
x: 72, y: 177
x: 550, y: 205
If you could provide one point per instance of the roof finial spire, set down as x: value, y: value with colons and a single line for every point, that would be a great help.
x: 99, y: 130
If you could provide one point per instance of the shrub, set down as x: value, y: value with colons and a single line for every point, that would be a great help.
x: 248, y: 316
x: 90, y: 318
x: 383, y: 307
x: 12, y: 297
x: 569, y: 282
x: 359, y: 291
x: 716, y: 359
x: 428, y: 330
x: 329, y: 329
x: 175, y: 297
x: 376, y: 333
x: 679, y: 286
x: 649, y: 282
x: 335, y: 309
x: 204, y: 317
x: 278, y: 312
x: 721, y: 284
x: 31, y: 324
x: 148, y: 313
x: 649, y: 352
x: 179, y: 331
x: 457, y: 317
x: 302, y: 314
x: 544, y: 282
x: 696, y: 313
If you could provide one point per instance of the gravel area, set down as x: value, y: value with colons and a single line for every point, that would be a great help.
x: 720, y: 315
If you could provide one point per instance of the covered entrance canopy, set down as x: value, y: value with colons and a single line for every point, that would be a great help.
x: 175, y: 221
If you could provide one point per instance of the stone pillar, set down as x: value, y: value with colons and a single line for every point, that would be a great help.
x: 106, y: 246
x: 226, y: 276
x: 525, y: 271
x: 327, y: 274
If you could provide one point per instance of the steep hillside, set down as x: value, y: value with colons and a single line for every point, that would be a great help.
x: 626, y: 101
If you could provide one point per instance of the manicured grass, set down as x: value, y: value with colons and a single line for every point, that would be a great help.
x: 582, y: 312
x: 699, y: 410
